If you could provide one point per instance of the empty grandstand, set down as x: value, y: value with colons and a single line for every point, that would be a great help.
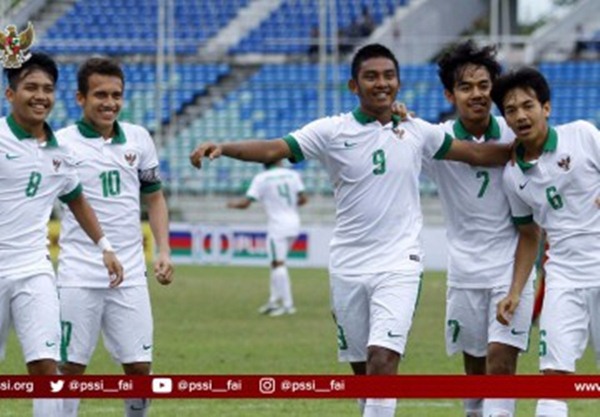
x: 239, y: 69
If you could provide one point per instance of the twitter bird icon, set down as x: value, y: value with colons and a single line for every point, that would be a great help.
x: 57, y: 386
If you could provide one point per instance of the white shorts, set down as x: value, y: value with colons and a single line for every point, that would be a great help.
x: 569, y: 316
x: 122, y: 314
x: 278, y: 247
x: 471, y: 320
x: 31, y: 306
x: 373, y: 310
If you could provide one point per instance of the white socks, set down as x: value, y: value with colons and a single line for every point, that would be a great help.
x: 48, y: 407
x: 361, y: 405
x: 551, y: 408
x: 473, y: 407
x: 71, y: 407
x: 499, y: 407
x: 136, y: 407
x: 380, y: 407
x: 280, y: 283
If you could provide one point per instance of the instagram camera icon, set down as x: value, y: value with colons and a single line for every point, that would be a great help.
x: 162, y: 385
x: 266, y: 385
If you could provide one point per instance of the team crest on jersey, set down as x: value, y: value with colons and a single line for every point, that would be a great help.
x: 14, y: 46
x: 564, y: 163
x: 398, y: 132
x: 130, y: 158
x: 56, y: 163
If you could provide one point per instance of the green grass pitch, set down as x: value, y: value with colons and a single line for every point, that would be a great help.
x: 206, y: 323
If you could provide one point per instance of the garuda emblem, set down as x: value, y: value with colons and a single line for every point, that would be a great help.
x: 14, y: 46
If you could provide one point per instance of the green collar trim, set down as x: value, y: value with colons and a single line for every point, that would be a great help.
x: 88, y: 131
x: 492, y: 132
x: 363, y: 118
x: 549, y: 146
x: 22, y: 134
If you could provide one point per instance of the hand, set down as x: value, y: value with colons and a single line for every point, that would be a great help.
x: 598, y: 202
x: 506, y: 308
x: 208, y: 149
x: 114, y: 267
x: 163, y: 269
x: 400, y: 109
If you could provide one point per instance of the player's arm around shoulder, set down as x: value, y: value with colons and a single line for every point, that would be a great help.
x: 158, y: 217
x: 264, y: 151
x: 479, y: 154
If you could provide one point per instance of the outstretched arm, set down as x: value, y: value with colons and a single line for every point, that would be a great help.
x: 85, y: 216
x: 525, y: 256
x: 264, y: 151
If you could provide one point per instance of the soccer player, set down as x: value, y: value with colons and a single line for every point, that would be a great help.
x: 281, y: 191
x: 481, y: 236
x: 553, y: 184
x: 34, y: 172
x: 374, y: 163
x: 116, y: 163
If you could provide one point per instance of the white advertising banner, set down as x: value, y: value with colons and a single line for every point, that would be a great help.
x: 241, y: 244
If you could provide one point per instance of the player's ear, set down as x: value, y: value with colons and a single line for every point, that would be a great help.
x: 9, y: 94
x: 80, y: 98
x: 450, y: 97
x: 547, y: 109
x: 353, y: 86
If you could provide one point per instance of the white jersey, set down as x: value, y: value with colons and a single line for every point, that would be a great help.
x: 113, y: 173
x: 558, y: 192
x: 32, y: 177
x: 481, y: 236
x: 374, y: 170
x: 277, y: 189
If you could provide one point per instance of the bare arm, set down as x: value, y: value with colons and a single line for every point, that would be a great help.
x: 264, y: 151
x: 525, y: 256
x: 158, y: 216
x: 242, y: 203
x: 481, y: 154
x: 85, y: 216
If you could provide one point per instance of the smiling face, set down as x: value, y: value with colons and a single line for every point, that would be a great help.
x: 102, y: 102
x: 471, y: 94
x: 32, y: 98
x: 376, y: 86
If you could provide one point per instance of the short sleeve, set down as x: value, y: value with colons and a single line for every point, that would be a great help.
x: 435, y: 141
x: 299, y: 183
x: 521, y: 212
x: 310, y: 142
x: 253, y: 192
x: 149, y: 170
x: 594, y: 142
x: 72, y: 186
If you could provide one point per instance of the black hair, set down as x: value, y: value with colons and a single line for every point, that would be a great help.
x: 97, y: 65
x: 37, y: 61
x: 527, y: 78
x: 372, y: 50
x: 453, y: 63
